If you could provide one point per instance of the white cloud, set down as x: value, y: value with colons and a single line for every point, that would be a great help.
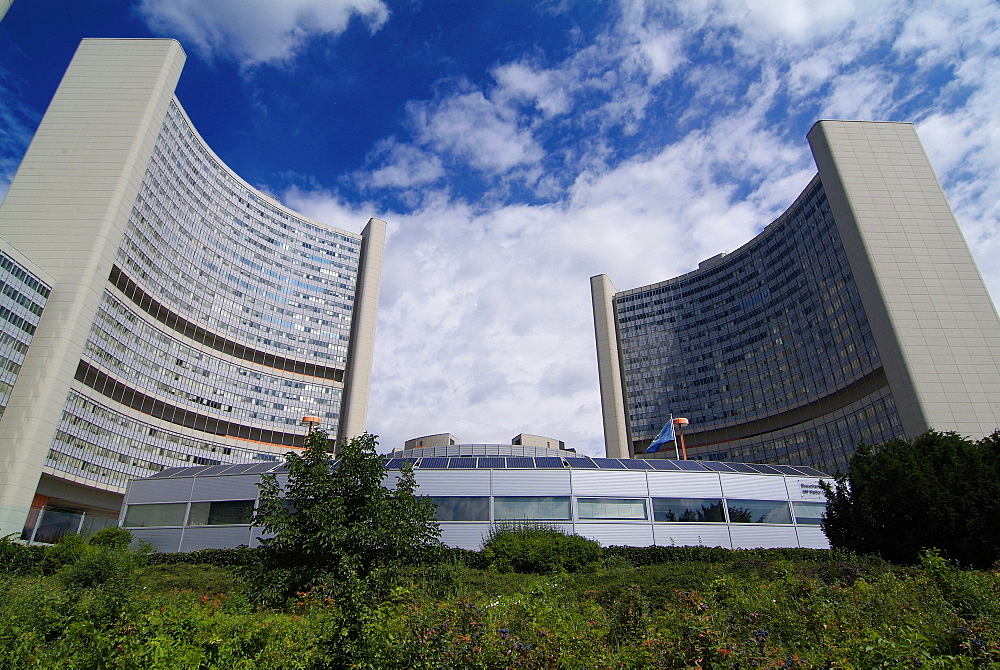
x: 256, y: 31
x: 485, y: 328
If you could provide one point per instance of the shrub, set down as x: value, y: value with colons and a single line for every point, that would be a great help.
x: 539, y: 549
x: 201, y: 579
x: 111, y: 536
x: 19, y: 559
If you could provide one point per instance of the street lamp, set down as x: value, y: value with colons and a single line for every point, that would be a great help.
x: 312, y: 422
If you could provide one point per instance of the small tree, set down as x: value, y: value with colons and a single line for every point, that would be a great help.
x: 339, y: 526
x: 937, y: 490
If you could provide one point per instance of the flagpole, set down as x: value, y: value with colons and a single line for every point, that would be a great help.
x: 677, y: 456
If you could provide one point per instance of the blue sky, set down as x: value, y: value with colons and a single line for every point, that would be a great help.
x: 518, y: 148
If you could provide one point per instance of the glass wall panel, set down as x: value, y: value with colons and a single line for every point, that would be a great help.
x: 220, y: 513
x: 611, y: 508
x: 810, y: 513
x: 165, y: 514
x: 532, y: 508
x: 758, y: 511
x: 462, y: 508
x: 697, y: 510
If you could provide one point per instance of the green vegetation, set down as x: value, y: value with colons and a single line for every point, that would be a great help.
x: 539, y: 549
x: 937, y: 490
x: 740, y: 609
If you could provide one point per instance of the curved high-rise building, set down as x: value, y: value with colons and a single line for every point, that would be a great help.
x: 857, y: 315
x: 177, y: 315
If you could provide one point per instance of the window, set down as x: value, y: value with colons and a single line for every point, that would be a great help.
x: 167, y: 514
x: 611, y: 508
x: 808, y: 513
x: 462, y: 508
x: 532, y: 508
x: 758, y: 511
x: 220, y: 513
x: 696, y: 510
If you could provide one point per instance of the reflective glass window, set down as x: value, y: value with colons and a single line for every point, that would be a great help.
x: 220, y: 513
x: 696, y: 510
x: 165, y: 514
x: 808, y: 513
x: 758, y: 511
x: 532, y: 508
x: 611, y: 508
x: 462, y: 508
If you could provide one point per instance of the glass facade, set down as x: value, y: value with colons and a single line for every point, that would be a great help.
x: 768, y: 351
x: 22, y: 299
x: 225, y: 316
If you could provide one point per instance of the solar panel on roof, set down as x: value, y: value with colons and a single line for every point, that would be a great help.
x: 214, y: 470
x: 635, y: 464
x: 239, y: 469
x: 462, y: 462
x: 690, y: 465
x: 584, y: 463
x: 259, y: 468
x: 492, y: 462
x: 394, y: 464
x: 742, y: 467
x: 810, y: 472
x: 716, y: 466
x: 434, y: 462
x: 609, y: 463
x: 785, y: 469
x: 166, y: 472
x: 660, y: 464
x: 763, y: 469
x: 548, y: 462
x: 520, y: 462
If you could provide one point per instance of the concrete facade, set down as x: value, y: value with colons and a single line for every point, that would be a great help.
x: 857, y: 315
x: 183, y: 301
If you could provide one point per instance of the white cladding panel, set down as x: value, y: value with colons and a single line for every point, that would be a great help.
x: 752, y: 536
x: 464, y: 535
x: 608, y: 534
x: 806, y: 488
x: 235, y: 487
x: 753, y: 487
x: 214, y: 537
x: 163, y: 541
x: 692, y: 535
x: 620, y: 483
x: 161, y: 490
x: 684, y: 485
x: 812, y: 537
x: 531, y: 483
x: 453, y: 482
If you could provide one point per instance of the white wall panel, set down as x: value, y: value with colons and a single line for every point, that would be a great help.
x: 453, y: 482
x: 464, y: 535
x: 236, y: 487
x: 684, y: 485
x: 805, y: 488
x: 751, y: 536
x: 633, y: 534
x: 617, y: 483
x: 161, y: 490
x: 530, y: 483
x: 812, y: 537
x: 163, y: 541
x: 214, y: 537
x: 692, y: 535
x: 760, y: 487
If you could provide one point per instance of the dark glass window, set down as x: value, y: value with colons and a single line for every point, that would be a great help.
x: 696, y: 510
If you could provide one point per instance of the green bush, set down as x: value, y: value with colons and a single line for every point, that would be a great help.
x: 539, y: 549
x: 19, y: 559
x: 111, y: 536
x: 222, y: 558
x: 200, y: 579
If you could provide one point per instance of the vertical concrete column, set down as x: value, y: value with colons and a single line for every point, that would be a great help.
x: 616, y: 435
x: 67, y: 210
x: 357, y: 379
x: 934, y: 324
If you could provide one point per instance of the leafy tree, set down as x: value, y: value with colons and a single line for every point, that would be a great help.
x: 937, y: 490
x: 339, y: 526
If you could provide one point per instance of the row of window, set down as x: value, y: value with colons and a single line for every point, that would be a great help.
x: 522, y: 508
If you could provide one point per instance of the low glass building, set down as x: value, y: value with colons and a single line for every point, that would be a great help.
x: 614, y: 501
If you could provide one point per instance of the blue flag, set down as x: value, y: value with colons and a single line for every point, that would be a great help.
x: 665, y: 436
